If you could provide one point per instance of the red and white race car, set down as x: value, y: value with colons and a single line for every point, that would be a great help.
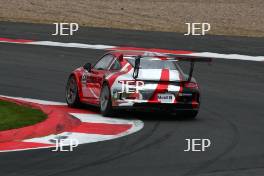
x: 136, y: 79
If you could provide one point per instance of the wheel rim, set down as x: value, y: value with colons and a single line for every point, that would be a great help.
x: 104, y: 98
x: 71, y: 91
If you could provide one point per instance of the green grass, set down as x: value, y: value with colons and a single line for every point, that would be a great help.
x: 16, y: 116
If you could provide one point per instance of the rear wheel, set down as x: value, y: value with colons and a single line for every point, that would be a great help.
x: 105, y: 101
x: 72, y: 95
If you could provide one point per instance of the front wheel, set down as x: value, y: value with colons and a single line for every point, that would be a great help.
x: 72, y: 95
x: 105, y: 101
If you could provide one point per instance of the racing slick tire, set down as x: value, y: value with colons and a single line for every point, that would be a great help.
x: 105, y: 101
x: 72, y: 94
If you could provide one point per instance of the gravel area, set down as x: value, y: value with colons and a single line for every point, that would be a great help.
x: 227, y: 17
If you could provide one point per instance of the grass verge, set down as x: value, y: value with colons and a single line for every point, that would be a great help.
x: 16, y: 116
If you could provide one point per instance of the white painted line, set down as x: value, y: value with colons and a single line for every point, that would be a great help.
x: 31, y: 100
x: 84, y: 138
x: 71, y: 45
x: 98, y: 118
x: 81, y: 137
x: 24, y: 149
x: 110, y: 47
x: 228, y: 56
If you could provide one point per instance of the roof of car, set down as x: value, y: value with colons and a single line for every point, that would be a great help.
x: 164, y: 56
x: 137, y: 53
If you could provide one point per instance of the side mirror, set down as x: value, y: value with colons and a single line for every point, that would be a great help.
x: 88, y: 67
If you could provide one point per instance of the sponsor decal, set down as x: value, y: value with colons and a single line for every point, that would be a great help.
x: 166, y: 98
x: 84, y: 77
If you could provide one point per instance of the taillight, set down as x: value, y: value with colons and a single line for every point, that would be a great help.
x: 191, y: 85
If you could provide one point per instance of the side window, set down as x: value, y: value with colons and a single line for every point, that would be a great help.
x: 115, y: 65
x: 104, y: 63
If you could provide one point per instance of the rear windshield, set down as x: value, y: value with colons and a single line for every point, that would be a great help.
x: 155, y: 63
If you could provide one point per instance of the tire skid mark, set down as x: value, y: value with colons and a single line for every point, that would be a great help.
x: 229, y: 170
x: 119, y: 154
x: 231, y: 147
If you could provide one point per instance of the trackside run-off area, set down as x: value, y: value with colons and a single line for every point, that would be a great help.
x: 80, y: 125
x: 13, y: 116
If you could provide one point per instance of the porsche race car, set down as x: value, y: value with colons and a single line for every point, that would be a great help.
x: 136, y: 79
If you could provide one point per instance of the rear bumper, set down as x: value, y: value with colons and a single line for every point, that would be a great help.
x: 179, y: 106
x: 168, y: 107
x: 187, y: 99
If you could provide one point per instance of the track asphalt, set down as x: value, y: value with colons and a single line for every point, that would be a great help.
x: 231, y: 115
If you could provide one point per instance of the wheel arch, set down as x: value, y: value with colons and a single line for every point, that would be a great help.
x: 105, y: 81
x: 77, y: 77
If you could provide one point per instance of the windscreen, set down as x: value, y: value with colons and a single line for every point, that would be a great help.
x: 155, y: 63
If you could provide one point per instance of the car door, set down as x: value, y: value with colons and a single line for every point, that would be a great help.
x: 95, y: 78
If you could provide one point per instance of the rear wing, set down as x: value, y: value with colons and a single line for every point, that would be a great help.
x: 192, y: 60
x: 189, y: 58
x: 181, y: 58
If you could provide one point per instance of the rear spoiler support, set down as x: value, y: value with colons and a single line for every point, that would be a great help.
x: 136, y: 68
x: 192, y: 60
x: 191, y: 71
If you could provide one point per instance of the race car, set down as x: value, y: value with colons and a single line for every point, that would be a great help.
x: 136, y: 80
